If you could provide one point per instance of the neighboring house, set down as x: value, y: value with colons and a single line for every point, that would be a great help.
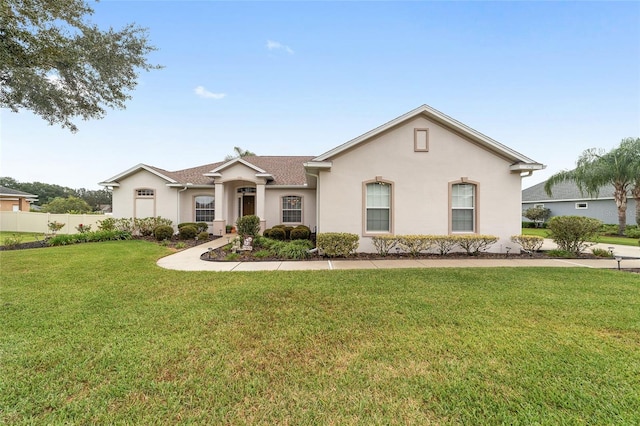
x: 421, y: 173
x: 14, y: 200
x: 567, y: 200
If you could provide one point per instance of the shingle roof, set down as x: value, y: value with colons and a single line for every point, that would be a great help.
x: 286, y: 170
x: 562, y: 191
x: 15, y: 193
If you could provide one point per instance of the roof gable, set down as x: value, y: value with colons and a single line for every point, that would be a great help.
x: 163, y: 174
x: 447, y: 122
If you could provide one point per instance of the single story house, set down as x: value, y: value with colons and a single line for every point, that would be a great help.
x: 12, y: 200
x: 567, y: 200
x: 420, y: 173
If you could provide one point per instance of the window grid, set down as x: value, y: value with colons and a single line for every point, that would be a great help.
x: 378, y: 207
x: 291, y: 209
x: 145, y: 192
x: 463, y: 207
x: 205, y: 208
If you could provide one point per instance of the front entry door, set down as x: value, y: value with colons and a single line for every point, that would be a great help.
x: 248, y: 205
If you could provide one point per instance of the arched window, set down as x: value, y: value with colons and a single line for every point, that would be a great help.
x: 205, y: 208
x: 463, y: 207
x: 291, y: 209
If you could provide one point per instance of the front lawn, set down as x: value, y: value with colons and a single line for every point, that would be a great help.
x: 98, y: 334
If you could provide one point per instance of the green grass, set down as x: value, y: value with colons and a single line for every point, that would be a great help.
x: 25, y: 237
x: 604, y: 239
x: 97, y: 333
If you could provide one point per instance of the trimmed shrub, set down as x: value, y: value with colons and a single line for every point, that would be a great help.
x: 248, y: 226
x: 202, y: 227
x: 163, y: 232
x: 334, y: 244
x: 146, y: 226
x: 187, y: 232
x: 572, y: 232
x: 108, y: 224
x: 528, y: 242
x: 444, y: 243
x: 277, y: 233
x: 203, y: 236
x: 414, y: 244
x: 266, y: 233
x: 384, y: 243
x: 473, y: 244
x: 299, y: 233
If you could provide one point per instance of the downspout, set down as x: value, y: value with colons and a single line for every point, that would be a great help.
x: 178, y: 206
x: 317, y: 176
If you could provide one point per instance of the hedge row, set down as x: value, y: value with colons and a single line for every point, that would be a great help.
x: 88, y: 237
x: 442, y: 244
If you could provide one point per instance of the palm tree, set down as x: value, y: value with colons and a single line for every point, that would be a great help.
x: 239, y: 153
x: 631, y: 148
x: 597, y: 168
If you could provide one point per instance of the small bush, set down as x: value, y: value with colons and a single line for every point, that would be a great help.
x: 528, y: 242
x: 261, y: 254
x: 83, y: 228
x: 295, y: 250
x: 444, y: 243
x: 231, y: 257
x: 163, y: 232
x: 335, y: 244
x: 203, y: 236
x: 561, y: 253
x: 384, y: 243
x: 299, y: 233
x: 601, y: 252
x: 145, y: 226
x: 248, y: 226
x: 474, y: 244
x: 277, y: 233
x: 62, y: 240
x: 608, y: 229
x: 537, y: 214
x: 187, y: 232
x: 414, y: 244
x: 108, y: 224
x: 571, y: 233
x: 528, y: 224
x: 13, y: 241
x: 632, y: 232
x: 267, y: 233
x: 180, y: 245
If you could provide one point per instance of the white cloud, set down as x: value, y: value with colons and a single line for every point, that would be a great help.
x: 274, y: 45
x: 204, y: 93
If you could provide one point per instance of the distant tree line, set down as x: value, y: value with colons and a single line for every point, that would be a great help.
x: 61, y: 199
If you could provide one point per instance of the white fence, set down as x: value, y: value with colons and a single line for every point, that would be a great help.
x: 37, y: 222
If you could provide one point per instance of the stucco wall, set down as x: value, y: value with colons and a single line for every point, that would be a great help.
x: 420, y: 184
x: 165, y: 198
x: 274, y: 209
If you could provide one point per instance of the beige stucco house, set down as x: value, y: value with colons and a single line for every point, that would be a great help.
x: 12, y: 200
x: 421, y: 173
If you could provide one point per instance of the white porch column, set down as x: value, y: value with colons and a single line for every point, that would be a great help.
x: 261, y: 205
x: 220, y: 220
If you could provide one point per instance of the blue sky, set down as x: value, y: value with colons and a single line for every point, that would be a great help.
x: 548, y: 79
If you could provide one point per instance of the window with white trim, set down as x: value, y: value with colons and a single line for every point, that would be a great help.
x: 582, y: 206
x: 463, y: 207
x: 205, y: 208
x: 291, y: 209
x: 378, y: 207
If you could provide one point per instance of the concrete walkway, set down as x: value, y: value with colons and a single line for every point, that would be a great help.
x: 189, y: 260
